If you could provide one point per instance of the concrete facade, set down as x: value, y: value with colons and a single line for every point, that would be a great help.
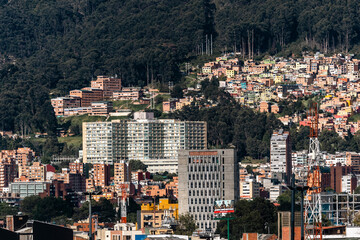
x: 280, y: 156
x: 204, y: 177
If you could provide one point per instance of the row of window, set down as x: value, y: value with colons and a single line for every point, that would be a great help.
x: 205, y: 176
x: 208, y: 201
x: 206, y: 159
x: 199, y: 168
x: 201, y: 193
x: 206, y: 184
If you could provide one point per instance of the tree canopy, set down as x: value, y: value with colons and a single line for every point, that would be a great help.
x: 250, y: 216
x: 48, y: 48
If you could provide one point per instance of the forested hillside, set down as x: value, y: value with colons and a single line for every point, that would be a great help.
x: 49, y: 47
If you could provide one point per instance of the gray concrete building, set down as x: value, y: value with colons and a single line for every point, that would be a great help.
x: 204, y: 177
x: 280, y: 156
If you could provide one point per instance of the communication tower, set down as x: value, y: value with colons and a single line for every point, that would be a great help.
x: 313, y: 225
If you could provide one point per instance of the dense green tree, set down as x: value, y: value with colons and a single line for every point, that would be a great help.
x: 103, y: 208
x: 137, y: 165
x: 177, y: 92
x: 250, y: 216
x: 6, y: 209
x: 230, y: 124
x: 186, y: 225
x: 44, y: 209
x: 331, y: 142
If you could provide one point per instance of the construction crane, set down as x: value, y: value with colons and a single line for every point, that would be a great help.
x: 312, y: 201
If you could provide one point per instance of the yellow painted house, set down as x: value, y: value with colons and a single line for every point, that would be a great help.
x: 278, y: 79
x: 152, y: 216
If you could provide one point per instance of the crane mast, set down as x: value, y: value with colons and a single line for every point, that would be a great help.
x: 313, y: 221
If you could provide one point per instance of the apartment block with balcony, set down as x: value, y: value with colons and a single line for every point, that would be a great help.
x: 121, y: 175
x: 7, y: 172
x: 36, y: 172
x: 101, y: 174
x: 155, y: 142
x: 98, y: 142
x: 24, y: 156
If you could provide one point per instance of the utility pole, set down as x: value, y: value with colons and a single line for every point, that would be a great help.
x: 293, y: 206
x: 302, y: 189
x: 90, y: 218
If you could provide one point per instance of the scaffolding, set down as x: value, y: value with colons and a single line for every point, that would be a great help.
x: 340, y: 208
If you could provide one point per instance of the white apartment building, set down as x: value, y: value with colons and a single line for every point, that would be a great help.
x: 346, y: 183
x: 155, y: 142
x: 249, y: 189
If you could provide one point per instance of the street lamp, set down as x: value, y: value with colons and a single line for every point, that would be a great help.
x: 293, y: 189
x: 90, y: 214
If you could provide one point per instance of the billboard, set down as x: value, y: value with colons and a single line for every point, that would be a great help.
x: 223, y: 207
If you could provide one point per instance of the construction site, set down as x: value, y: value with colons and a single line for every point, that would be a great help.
x: 323, y: 215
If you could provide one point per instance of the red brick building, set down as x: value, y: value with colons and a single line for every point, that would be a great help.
x: 60, y: 103
x: 101, y: 175
x: 87, y: 95
x: 107, y: 84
